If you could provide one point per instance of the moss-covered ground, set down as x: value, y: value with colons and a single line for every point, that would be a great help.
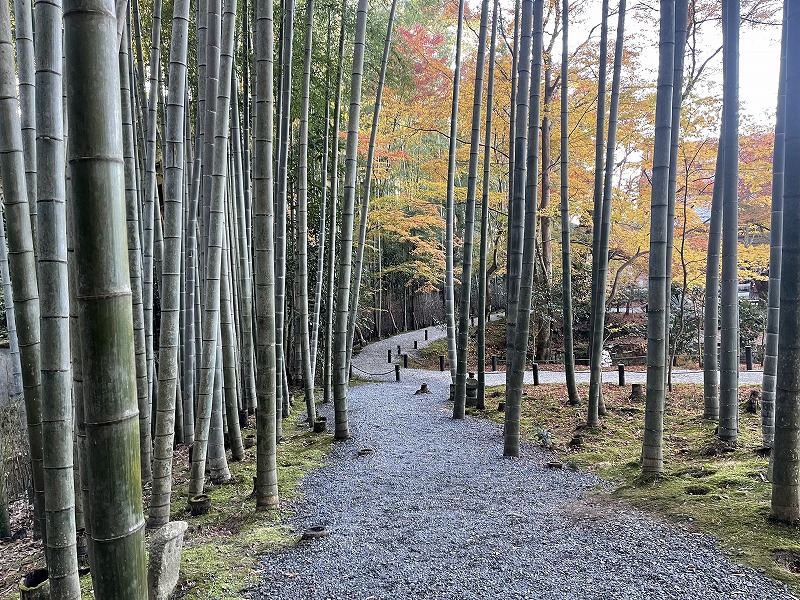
x: 706, y: 485
x: 222, y: 548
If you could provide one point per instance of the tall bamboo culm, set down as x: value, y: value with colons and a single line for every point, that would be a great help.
x: 340, y: 374
x: 51, y: 228
x: 95, y: 158
x: 21, y: 258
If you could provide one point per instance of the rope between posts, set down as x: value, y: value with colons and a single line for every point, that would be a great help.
x: 373, y: 374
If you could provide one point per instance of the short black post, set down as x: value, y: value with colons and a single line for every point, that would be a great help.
x: 535, y: 373
x: 441, y: 363
x: 621, y: 370
x: 390, y: 355
x: 748, y: 357
x: 426, y: 334
x: 397, y: 372
x: 494, y: 362
x: 398, y: 349
x: 405, y: 361
x: 351, y: 371
x: 415, y: 344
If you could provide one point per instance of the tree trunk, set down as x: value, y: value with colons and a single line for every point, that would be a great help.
x: 362, y: 231
x: 450, y: 205
x: 95, y: 156
x: 21, y: 258
x: 469, y: 222
x: 681, y: 24
x: 340, y: 374
x: 169, y: 335
x: 211, y: 313
x: 601, y: 276
x: 315, y: 327
x: 785, y: 467
x: 515, y: 234
x: 566, y: 223
x: 776, y: 233
x: 516, y: 372
x: 327, y: 383
x: 595, y: 338
x: 729, y: 310
x: 59, y: 484
x: 284, y: 132
x: 652, y: 451
x: 304, y: 342
x: 266, y: 485
x: 484, y: 249
x: 23, y: 30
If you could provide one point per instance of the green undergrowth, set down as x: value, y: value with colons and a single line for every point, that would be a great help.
x: 428, y: 357
x: 222, y: 548
x: 706, y: 485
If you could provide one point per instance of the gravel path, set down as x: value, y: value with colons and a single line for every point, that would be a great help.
x: 371, y: 363
x: 436, y: 512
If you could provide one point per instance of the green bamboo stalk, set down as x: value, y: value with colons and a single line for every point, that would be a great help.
x: 652, y: 450
x: 134, y: 237
x: 327, y: 377
x: 266, y: 486
x: 516, y: 207
x: 95, y: 158
x: 315, y: 326
x: 15, y: 394
x: 596, y: 338
x: 566, y: 224
x: 469, y: 221
x: 230, y: 379
x: 729, y: 308
x: 604, y: 226
x: 450, y: 204
x: 775, y: 251
x: 512, y: 258
x: 217, y: 461
x: 245, y: 269
x: 362, y: 231
x: 169, y: 335
x: 681, y: 25
x: 211, y: 311
x: 26, y: 74
x: 22, y: 261
x: 340, y: 374
x: 484, y: 247
x: 304, y: 343
x: 516, y: 372
x: 284, y: 131
x: 148, y: 235
x: 785, y: 503
x: 51, y: 228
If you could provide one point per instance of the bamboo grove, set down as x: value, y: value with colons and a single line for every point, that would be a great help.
x: 198, y: 217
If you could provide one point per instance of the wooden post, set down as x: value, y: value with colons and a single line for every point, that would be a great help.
x: 535, y: 373
x: 621, y: 370
x: 748, y: 357
x: 405, y: 361
x: 415, y: 344
x: 397, y: 372
x: 494, y: 362
x: 390, y: 355
x: 441, y: 363
x: 426, y: 334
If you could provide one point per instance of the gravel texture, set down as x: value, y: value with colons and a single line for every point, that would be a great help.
x: 371, y: 363
x: 437, y: 512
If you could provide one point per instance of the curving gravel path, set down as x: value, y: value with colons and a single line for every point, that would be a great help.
x: 436, y: 512
x: 371, y: 363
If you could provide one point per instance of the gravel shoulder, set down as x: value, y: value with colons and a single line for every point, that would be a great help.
x: 437, y: 512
